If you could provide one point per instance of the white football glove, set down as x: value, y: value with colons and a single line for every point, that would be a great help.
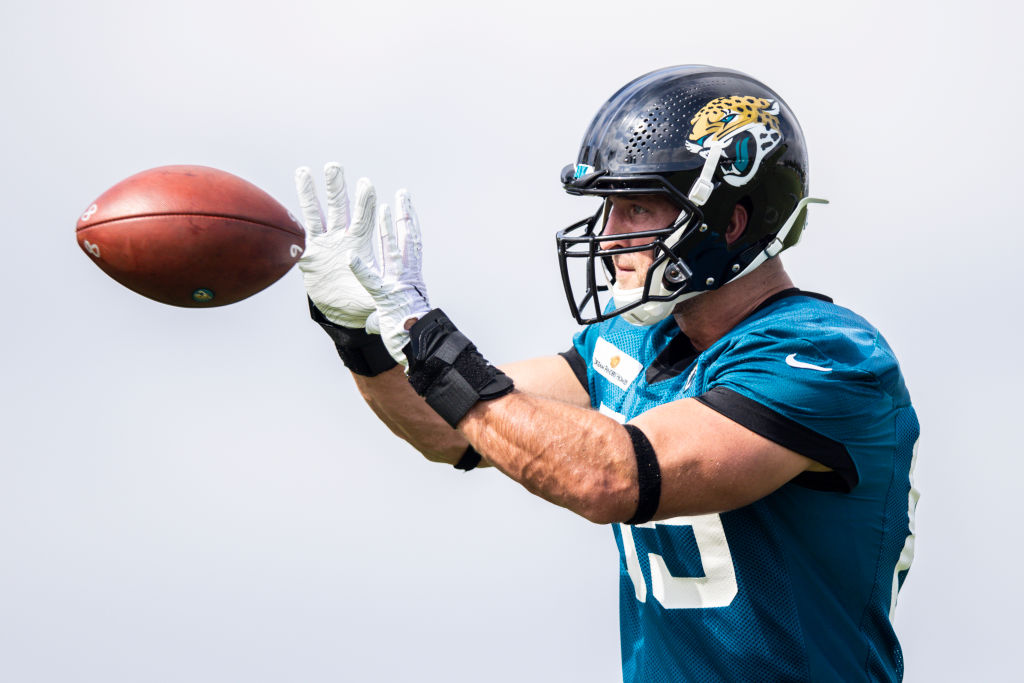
x: 325, y: 264
x: 395, y: 281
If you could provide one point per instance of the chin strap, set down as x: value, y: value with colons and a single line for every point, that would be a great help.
x: 647, y: 313
x: 778, y: 243
x: 702, y: 187
x: 655, y: 311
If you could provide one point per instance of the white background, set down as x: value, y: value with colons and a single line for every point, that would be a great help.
x: 201, y: 495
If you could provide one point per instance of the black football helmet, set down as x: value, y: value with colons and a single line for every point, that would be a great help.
x: 706, y: 138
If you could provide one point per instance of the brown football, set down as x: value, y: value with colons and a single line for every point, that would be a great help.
x: 190, y: 236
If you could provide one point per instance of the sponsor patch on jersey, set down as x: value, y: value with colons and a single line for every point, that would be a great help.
x: 614, y: 365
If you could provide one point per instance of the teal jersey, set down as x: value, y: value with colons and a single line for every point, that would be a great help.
x: 800, y: 585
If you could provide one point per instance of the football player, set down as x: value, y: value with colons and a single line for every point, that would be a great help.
x: 751, y: 443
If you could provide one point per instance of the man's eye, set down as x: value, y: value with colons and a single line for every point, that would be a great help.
x: 640, y: 210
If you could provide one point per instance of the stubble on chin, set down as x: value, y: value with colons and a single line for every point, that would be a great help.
x: 635, y: 277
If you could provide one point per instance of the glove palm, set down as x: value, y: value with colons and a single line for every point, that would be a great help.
x: 329, y: 281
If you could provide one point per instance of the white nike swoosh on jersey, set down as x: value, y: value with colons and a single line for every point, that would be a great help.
x: 792, y: 362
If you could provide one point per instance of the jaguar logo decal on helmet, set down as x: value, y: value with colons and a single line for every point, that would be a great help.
x: 747, y: 127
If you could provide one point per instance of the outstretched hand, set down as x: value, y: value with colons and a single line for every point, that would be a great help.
x: 329, y: 281
x: 395, y: 279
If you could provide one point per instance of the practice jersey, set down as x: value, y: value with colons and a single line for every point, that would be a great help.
x: 800, y: 585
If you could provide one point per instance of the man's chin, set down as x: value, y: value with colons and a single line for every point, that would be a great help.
x: 627, y: 279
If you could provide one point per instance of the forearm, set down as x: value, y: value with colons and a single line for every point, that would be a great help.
x: 393, y: 400
x: 383, y: 385
x: 408, y: 416
x: 571, y: 456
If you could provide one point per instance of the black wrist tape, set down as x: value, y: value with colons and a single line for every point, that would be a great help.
x: 446, y: 369
x: 648, y: 476
x: 361, y: 352
x: 470, y: 459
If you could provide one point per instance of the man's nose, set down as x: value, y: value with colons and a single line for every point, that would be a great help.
x: 614, y: 226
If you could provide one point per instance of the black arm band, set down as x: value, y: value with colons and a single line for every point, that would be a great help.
x: 648, y: 476
x: 446, y: 369
x: 469, y: 459
x: 361, y: 352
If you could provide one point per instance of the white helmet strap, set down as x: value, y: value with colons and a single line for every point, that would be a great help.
x: 779, y: 241
x: 701, y: 189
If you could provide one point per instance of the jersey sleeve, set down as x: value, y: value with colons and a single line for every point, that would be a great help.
x: 821, y: 398
x: 579, y: 354
x: 577, y: 364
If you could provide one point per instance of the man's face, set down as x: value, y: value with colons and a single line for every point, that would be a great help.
x: 631, y: 214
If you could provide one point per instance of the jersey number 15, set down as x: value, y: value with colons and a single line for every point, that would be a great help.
x: 716, y: 588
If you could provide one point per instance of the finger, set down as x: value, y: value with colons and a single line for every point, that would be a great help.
x: 337, y: 197
x: 366, y: 209
x: 311, y: 215
x: 373, y: 323
x: 388, y: 242
x: 367, y: 275
x: 408, y: 226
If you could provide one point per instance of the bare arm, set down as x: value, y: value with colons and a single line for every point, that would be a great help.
x: 548, y: 377
x: 393, y: 400
x: 406, y: 414
x: 584, y: 461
